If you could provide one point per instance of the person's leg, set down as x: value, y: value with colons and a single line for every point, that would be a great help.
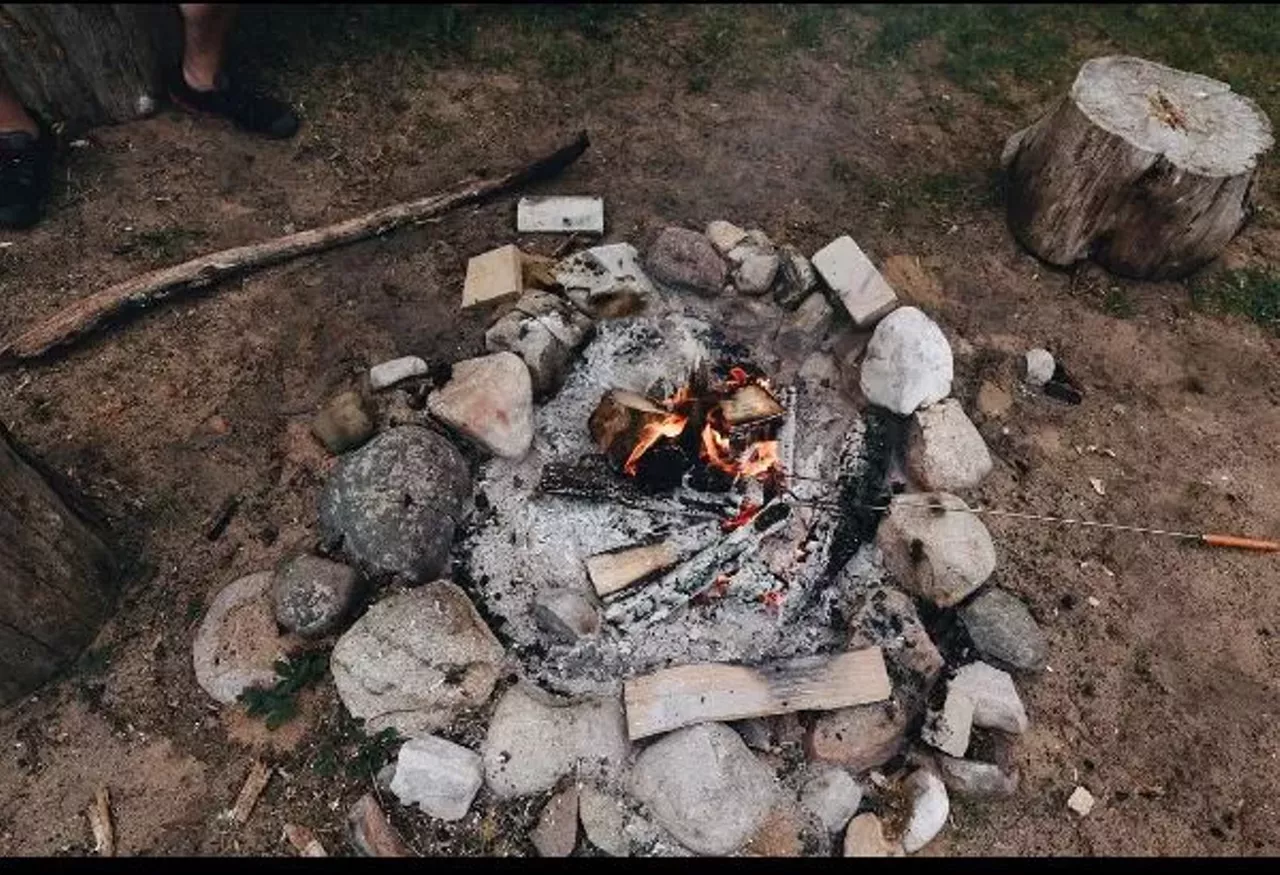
x: 13, y: 115
x: 25, y: 158
x: 205, y: 27
x: 202, y: 85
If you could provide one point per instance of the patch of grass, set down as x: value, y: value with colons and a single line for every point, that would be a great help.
x: 1252, y: 292
x: 279, y: 703
x: 160, y: 244
x: 807, y: 24
x: 1118, y: 303
x: 195, y: 607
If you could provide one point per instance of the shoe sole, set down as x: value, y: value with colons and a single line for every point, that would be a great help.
x: 203, y: 113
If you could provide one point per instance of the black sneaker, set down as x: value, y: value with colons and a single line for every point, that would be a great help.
x: 250, y: 110
x: 25, y: 165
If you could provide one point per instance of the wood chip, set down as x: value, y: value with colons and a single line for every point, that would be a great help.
x: 688, y: 694
x: 104, y: 839
x: 304, y: 841
x: 259, y: 775
x: 371, y: 832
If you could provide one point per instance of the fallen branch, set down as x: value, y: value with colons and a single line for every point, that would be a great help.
x: 144, y: 291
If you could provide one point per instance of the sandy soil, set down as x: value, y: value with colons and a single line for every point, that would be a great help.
x: 1161, y: 699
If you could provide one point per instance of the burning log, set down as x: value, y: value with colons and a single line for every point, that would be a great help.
x: 697, y: 574
x: 688, y: 694
x: 750, y: 405
x: 626, y: 424
x: 592, y: 480
x: 618, y: 569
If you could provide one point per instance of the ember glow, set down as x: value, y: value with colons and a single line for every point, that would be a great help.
x: 668, y: 427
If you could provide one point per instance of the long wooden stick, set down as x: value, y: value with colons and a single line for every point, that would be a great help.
x: 144, y: 291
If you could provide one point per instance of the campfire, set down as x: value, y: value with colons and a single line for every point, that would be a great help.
x: 713, y: 433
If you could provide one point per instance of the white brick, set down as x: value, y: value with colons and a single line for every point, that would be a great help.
x: 855, y: 280
x: 560, y: 214
x: 948, y: 730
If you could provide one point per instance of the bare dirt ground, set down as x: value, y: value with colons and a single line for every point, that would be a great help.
x: 1162, y: 699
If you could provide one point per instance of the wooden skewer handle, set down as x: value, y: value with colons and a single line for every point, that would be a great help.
x: 1242, y: 543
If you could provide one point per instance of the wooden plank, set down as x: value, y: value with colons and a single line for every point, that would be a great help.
x: 689, y: 694
x: 619, y: 569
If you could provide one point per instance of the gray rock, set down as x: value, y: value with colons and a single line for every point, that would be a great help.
x: 944, y: 450
x: 975, y: 779
x: 545, y: 332
x: 948, y: 729
x: 929, y: 809
x: 908, y: 363
x: 565, y: 615
x: 705, y: 787
x: 556, y: 834
x: 416, y: 660
x: 686, y: 259
x: 490, y: 401
x: 237, y: 644
x: 755, y: 273
x: 391, y: 372
x: 535, y: 739
x: 865, y: 838
x: 393, y: 504
x: 796, y: 278
x: 996, y: 704
x: 440, y: 777
x: 833, y: 796
x: 1003, y: 630
x: 344, y: 423
x: 803, y: 331
x: 887, y: 617
x: 858, y: 738
x: 312, y: 596
x: 604, y: 821
x: 941, y: 557
x: 1038, y: 367
x: 724, y: 236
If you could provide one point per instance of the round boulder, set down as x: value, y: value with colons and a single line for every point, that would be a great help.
x: 393, y: 504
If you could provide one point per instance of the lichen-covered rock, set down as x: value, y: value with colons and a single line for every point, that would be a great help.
x: 416, y: 661
x: 393, y: 505
x: 311, y: 595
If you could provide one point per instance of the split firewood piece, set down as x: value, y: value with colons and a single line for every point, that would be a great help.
x: 750, y: 404
x: 259, y: 775
x: 647, y: 605
x: 104, y: 839
x: 304, y: 841
x: 624, y: 422
x: 1145, y: 169
x: 591, y: 479
x: 619, y: 569
x: 688, y: 694
x: 371, y: 832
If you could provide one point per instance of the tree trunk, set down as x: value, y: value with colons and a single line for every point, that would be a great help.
x: 84, y: 64
x: 57, y: 579
x: 1144, y: 169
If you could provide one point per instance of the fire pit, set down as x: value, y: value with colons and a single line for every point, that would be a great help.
x: 705, y: 505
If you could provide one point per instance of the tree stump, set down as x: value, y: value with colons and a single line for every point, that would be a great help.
x: 57, y: 580
x: 1142, y: 168
x: 86, y: 64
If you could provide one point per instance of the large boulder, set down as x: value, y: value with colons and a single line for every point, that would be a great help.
x: 705, y: 787
x: 934, y: 548
x: 416, y: 660
x: 908, y: 363
x: 393, y: 505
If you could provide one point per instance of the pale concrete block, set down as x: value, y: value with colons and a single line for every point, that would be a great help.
x: 560, y: 214
x: 851, y: 275
x: 493, y: 278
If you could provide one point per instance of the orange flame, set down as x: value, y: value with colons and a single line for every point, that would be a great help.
x: 759, y: 458
x: 669, y: 426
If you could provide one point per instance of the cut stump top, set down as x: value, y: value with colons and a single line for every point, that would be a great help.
x: 1198, y: 124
